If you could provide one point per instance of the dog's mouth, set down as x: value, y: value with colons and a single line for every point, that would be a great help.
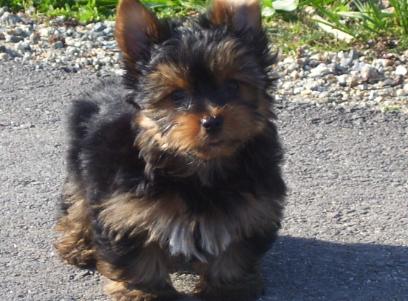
x: 214, y: 143
x: 217, y: 147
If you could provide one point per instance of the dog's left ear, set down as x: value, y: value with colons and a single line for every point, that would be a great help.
x: 239, y: 14
x: 136, y: 28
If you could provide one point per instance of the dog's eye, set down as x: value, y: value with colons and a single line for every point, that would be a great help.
x: 178, y: 97
x: 232, y: 88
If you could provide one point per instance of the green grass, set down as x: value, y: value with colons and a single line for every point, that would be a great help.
x: 364, y: 20
x: 289, y: 36
x: 86, y: 11
x: 290, y: 22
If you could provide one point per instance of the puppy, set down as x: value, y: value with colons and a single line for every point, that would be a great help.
x: 180, y: 161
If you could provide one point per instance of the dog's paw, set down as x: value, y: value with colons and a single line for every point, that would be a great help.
x: 237, y: 292
x: 118, y: 291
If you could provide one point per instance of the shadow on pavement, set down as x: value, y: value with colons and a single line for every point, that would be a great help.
x: 307, y: 269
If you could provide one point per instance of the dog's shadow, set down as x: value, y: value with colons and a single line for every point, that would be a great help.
x: 306, y: 269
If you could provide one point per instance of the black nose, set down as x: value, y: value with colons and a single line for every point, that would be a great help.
x: 212, y: 124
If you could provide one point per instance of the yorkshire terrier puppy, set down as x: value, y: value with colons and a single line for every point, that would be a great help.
x: 181, y: 161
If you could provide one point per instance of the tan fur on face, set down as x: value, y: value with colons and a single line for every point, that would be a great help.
x: 240, y: 124
x: 171, y: 76
x: 151, y: 132
x: 185, y: 134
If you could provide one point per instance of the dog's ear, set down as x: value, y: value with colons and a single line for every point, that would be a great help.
x: 136, y: 28
x: 240, y: 14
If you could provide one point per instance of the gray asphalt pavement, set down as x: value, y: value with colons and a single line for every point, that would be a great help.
x: 345, y: 235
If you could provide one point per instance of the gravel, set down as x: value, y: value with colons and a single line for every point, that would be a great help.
x: 345, y: 78
x: 59, y: 43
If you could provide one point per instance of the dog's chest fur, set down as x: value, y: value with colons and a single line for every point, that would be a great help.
x: 196, y: 236
x: 170, y: 223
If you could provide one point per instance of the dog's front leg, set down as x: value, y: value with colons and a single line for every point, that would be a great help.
x: 235, y: 274
x: 142, y: 276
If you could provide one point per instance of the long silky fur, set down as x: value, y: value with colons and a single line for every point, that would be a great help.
x: 139, y: 194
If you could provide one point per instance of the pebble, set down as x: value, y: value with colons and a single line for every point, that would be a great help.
x: 342, y: 80
x: 346, y: 78
x: 44, y: 32
x: 400, y: 92
x: 34, y: 37
x: 353, y: 81
x: 98, y: 27
x: 58, y: 45
x: 9, y: 19
x: 383, y: 62
x: 372, y: 95
x: 369, y: 74
x: 3, y: 56
x: 405, y: 88
x: 23, y: 46
x: 10, y: 38
x: 319, y: 71
x: 401, y: 70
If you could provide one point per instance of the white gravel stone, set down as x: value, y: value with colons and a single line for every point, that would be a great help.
x: 320, y: 70
x: 98, y: 26
x: 323, y: 95
x: 372, y: 95
x: 9, y: 19
x: 45, y: 32
x: 4, y: 56
x: 11, y: 38
x: 383, y: 63
x: 353, y: 81
x: 405, y: 88
x: 379, y: 99
x: 297, y: 90
x: 289, y: 60
x: 287, y: 86
x: 72, y: 50
x: 2, y: 11
x: 369, y: 74
x: 305, y: 92
x: 401, y: 70
x: 346, y: 59
x: 342, y: 79
x: 23, y: 46
x: 400, y: 92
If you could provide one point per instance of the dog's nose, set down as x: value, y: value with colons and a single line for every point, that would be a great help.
x: 212, y: 124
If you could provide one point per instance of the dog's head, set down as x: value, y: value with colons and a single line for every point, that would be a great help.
x: 201, y: 83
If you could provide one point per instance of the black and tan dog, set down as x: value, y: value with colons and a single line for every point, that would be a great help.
x: 182, y: 160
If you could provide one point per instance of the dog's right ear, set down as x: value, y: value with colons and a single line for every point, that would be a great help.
x: 136, y: 28
x: 238, y: 14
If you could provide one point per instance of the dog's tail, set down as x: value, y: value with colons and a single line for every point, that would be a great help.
x: 80, y: 116
x: 81, y: 112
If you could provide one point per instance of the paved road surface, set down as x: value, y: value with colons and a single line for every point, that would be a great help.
x: 345, y: 235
